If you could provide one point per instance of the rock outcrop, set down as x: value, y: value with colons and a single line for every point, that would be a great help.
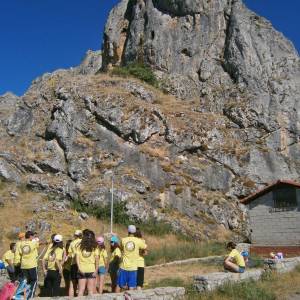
x: 226, y: 122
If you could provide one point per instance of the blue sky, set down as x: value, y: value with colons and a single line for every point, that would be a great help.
x: 39, y: 36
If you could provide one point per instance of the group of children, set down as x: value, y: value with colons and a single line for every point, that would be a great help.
x: 83, y: 262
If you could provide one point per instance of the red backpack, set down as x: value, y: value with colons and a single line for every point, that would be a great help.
x: 7, y: 291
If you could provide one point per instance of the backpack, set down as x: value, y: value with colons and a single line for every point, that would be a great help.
x: 7, y: 291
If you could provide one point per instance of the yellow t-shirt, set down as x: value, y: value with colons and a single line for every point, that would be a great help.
x: 87, y: 260
x: 72, y: 250
x: 116, y: 252
x: 17, y: 258
x: 238, y: 258
x: 8, y: 256
x: 27, y: 254
x: 131, y: 251
x: 102, y: 257
x: 52, y: 258
x: 67, y: 264
x: 141, y: 260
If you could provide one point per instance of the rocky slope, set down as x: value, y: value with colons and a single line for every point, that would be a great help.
x: 226, y: 123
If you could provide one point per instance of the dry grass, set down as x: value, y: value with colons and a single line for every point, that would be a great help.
x: 185, y: 272
x: 157, y: 152
x: 275, y: 287
x: 17, y: 212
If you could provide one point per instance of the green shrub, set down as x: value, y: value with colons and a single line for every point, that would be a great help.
x: 103, y: 212
x: 137, y: 70
x: 154, y: 227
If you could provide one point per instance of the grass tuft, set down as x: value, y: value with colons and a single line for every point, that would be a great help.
x: 183, y: 250
x: 137, y: 70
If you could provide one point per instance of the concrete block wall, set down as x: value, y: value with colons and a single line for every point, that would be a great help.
x: 273, y: 228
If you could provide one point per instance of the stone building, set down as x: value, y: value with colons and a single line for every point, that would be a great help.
x: 274, y: 214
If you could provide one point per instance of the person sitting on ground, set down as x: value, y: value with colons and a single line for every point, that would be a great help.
x: 234, y: 262
x: 114, y: 263
x: 52, y: 267
x: 102, y: 265
x: 74, y: 268
x: 27, y: 256
x: 87, y: 259
x: 140, y: 262
x: 8, y: 259
x: 131, y: 247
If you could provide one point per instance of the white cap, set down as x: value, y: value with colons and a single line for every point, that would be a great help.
x: 58, y: 238
x: 78, y: 232
x: 131, y: 229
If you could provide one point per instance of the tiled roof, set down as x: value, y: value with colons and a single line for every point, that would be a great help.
x: 267, y: 189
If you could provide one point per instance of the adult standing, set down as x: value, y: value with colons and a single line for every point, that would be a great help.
x: 74, y: 268
x: 87, y: 259
x: 27, y: 255
x: 131, y: 247
x: 52, y: 267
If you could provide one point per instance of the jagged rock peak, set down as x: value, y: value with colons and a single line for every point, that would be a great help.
x: 217, y: 51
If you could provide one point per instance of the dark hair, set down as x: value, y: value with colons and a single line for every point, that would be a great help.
x: 56, y: 245
x: 68, y: 245
x: 12, y: 245
x: 231, y: 245
x: 28, y: 234
x: 114, y: 246
x: 138, y: 233
x: 52, y: 237
x: 102, y: 246
x: 85, y: 231
x: 88, y: 242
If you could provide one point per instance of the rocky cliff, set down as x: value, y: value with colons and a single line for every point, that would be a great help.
x: 224, y: 122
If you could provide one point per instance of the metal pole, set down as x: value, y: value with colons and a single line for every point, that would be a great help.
x: 112, y: 204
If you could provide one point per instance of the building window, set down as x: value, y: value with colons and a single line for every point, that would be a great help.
x: 285, y: 197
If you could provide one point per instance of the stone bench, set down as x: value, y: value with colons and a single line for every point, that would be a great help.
x: 165, y: 293
x: 283, y: 265
x: 211, y: 281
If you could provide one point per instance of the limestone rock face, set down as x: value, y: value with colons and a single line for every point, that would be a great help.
x: 216, y: 51
x: 225, y: 124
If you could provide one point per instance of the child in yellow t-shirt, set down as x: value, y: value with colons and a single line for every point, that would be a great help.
x: 87, y: 259
x: 8, y: 259
x: 102, y: 264
x: 53, y: 271
x: 140, y: 262
x: 234, y: 262
x: 114, y: 263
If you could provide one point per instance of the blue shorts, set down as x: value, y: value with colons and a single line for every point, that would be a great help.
x: 241, y: 270
x: 101, y: 270
x: 127, y: 278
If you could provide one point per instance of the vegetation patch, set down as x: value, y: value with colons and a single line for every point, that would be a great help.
x: 183, y: 250
x: 137, y: 70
